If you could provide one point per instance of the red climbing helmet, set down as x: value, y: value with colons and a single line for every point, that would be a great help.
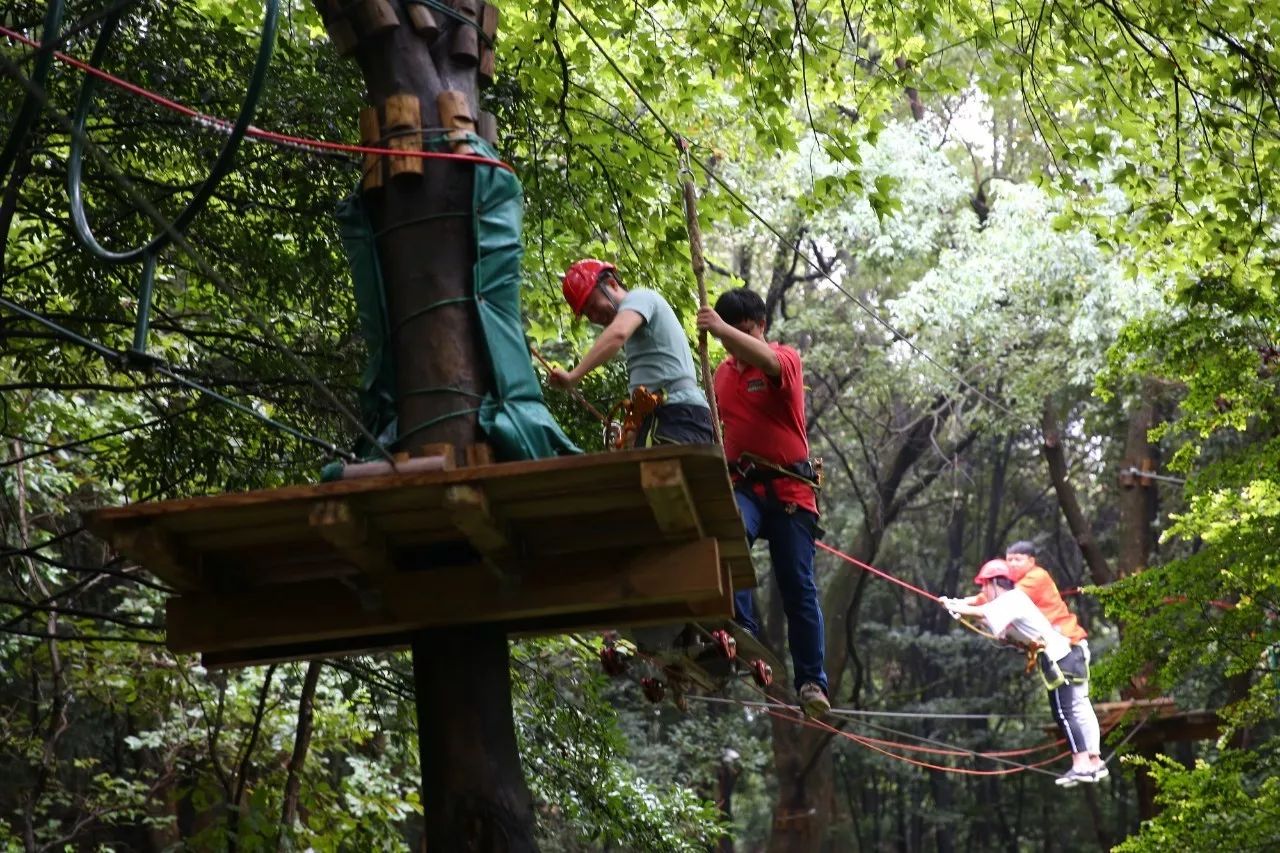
x: 580, y: 279
x: 993, y: 569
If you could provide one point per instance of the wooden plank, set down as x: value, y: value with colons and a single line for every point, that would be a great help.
x: 622, y: 617
x: 678, y: 613
x: 352, y: 535
x: 668, y: 494
x: 160, y: 554
x: 557, y: 507
x: 342, y: 647
x: 571, y: 472
x: 326, y: 610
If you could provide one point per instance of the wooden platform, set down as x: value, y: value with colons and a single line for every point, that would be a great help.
x: 1158, y: 721
x: 548, y: 546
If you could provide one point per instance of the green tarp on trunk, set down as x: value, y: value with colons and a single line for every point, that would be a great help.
x: 514, y: 416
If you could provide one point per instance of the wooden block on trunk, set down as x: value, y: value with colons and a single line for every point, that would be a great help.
x: 371, y: 136
x: 423, y: 21
x: 442, y: 449
x: 339, y: 28
x: 489, y: 25
x: 480, y: 453
x: 455, y: 114
x: 374, y: 17
x: 403, y: 129
x: 465, y: 46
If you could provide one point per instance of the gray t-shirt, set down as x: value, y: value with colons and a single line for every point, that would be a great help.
x: 658, y: 353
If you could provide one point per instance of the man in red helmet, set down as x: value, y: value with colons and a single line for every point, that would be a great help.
x: 760, y: 394
x: 1064, y: 665
x: 641, y: 324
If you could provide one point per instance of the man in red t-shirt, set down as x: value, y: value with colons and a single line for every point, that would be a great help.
x: 760, y: 393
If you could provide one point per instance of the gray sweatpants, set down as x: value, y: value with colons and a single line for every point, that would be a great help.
x: 1073, y: 712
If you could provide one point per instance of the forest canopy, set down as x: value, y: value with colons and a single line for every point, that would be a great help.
x: 1024, y: 251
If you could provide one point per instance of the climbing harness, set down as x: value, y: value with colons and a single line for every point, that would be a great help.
x: 756, y: 469
x: 752, y: 470
x: 633, y: 410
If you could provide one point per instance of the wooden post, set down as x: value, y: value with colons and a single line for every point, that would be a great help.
x: 474, y: 793
x: 699, y: 272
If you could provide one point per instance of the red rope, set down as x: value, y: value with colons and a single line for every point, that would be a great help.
x: 871, y: 743
x: 899, y: 581
x: 253, y: 132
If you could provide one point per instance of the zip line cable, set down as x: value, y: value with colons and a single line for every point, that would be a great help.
x: 319, y: 146
x: 315, y: 146
x: 799, y: 252
x: 1001, y: 756
x: 143, y: 205
x: 771, y: 705
x: 122, y: 359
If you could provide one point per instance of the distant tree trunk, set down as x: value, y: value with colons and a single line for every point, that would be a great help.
x: 1056, y: 457
x: 1138, y: 506
x: 802, y: 756
x: 913, y: 95
x: 301, y: 744
x: 726, y: 780
x: 995, y: 499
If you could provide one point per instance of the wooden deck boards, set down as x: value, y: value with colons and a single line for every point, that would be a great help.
x: 541, y: 546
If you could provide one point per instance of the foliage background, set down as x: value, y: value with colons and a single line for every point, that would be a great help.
x: 1069, y: 208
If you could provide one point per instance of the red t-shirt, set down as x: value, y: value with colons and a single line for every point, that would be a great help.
x: 765, y: 416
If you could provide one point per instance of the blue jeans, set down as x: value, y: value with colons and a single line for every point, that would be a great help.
x: 791, y: 538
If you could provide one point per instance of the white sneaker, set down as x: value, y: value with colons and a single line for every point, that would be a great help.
x: 813, y: 701
x: 1074, y: 777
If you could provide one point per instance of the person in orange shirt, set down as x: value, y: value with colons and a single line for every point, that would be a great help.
x: 1034, y: 580
x: 1064, y: 666
x: 1038, y: 584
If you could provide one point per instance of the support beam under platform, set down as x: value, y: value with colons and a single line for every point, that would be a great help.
x: 409, y: 601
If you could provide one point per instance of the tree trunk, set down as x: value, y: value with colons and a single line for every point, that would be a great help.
x: 1138, y: 502
x: 1056, y: 457
x: 474, y: 793
x: 802, y: 755
x: 1003, y: 449
x: 301, y: 744
x: 1137, y: 538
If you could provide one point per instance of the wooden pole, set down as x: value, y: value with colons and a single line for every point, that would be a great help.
x: 699, y: 272
x: 474, y: 792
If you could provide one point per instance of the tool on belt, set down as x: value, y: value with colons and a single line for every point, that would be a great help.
x: 633, y: 410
